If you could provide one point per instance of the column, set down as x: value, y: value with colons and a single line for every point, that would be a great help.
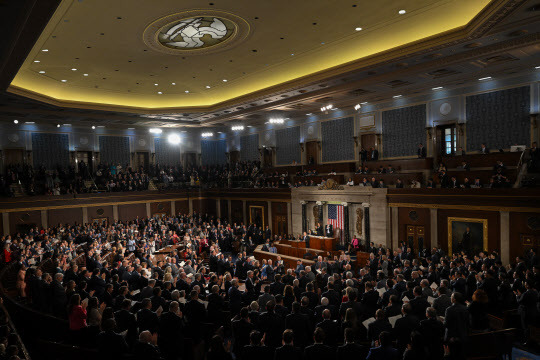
x: 434, y: 229
x: 244, y: 212
x: 505, y: 236
x: 115, y: 211
x: 395, y: 227
x: 229, y: 207
x: 44, y: 219
x: 5, y: 223
x: 289, y: 218
x: 270, y: 222
x: 148, y: 210
x: 366, y: 224
x: 85, y: 215
x: 346, y: 237
x: 218, y: 212
x: 173, y: 208
x: 304, y: 220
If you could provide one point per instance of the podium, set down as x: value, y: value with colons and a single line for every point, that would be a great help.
x: 323, y: 243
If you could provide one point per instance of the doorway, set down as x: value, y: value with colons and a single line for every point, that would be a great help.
x: 312, y: 153
x: 447, y: 140
x: 415, y: 239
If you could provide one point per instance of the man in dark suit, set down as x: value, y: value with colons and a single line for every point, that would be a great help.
x: 384, y: 351
x: 421, y: 151
x: 318, y: 351
x: 299, y: 324
x: 433, y: 331
x: 457, y: 319
x: 405, y: 326
x: 350, y: 350
x: 241, y: 329
x: 288, y: 351
x: 374, y: 154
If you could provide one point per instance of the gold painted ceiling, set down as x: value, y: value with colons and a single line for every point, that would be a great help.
x: 277, y: 42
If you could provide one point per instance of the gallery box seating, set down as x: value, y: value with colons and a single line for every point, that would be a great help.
x: 390, y: 179
x: 482, y: 161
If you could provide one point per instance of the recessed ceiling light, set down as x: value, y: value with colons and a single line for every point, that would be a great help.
x: 36, y: 61
x: 401, y: 12
x: 187, y: 91
x: 173, y: 83
x: 93, y: 127
x: 15, y: 121
x: 484, y: 78
x: 358, y: 29
x: 73, y: 69
x: 64, y: 80
x: 45, y: 50
x: 224, y: 80
x: 208, y: 86
x: 85, y: 74
x: 397, y: 96
x: 29, y: 122
x: 159, y: 92
x: 42, y: 72
x: 437, y: 88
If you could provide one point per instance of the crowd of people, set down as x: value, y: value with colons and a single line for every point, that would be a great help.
x: 209, y: 300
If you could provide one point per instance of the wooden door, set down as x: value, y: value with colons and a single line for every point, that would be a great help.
x: 312, y: 153
x: 13, y: 156
x: 416, y: 239
x: 368, y: 141
x: 279, y: 224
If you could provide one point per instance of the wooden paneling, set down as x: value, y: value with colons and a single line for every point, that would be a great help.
x: 415, y: 217
x: 494, y: 239
x: 24, y: 220
x: 401, y: 165
x: 64, y: 216
x: 131, y: 212
x: 522, y: 224
x: 479, y: 160
x: 160, y: 207
x: 237, y: 211
x: 98, y: 212
x: 390, y: 179
x: 181, y: 206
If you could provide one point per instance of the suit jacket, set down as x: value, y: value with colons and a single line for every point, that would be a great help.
x: 318, y: 352
x: 288, y: 352
x: 351, y: 351
x: 456, y: 321
x: 382, y: 353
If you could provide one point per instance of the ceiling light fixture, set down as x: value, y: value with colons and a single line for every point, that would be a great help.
x: 485, y: 78
x: 237, y: 128
x: 358, y: 29
x: 207, y: 134
x: 276, y: 121
x: 155, y: 131
x: 15, y: 121
x: 173, y: 139
x: 437, y: 88
x: 401, y: 12
x: 357, y: 107
x: 397, y: 96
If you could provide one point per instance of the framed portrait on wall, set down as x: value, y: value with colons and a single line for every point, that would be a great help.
x: 467, y: 234
x: 256, y: 216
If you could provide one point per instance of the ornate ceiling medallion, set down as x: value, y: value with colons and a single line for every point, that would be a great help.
x: 195, y: 32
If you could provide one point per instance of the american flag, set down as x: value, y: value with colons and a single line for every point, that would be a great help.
x: 335, y: 216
